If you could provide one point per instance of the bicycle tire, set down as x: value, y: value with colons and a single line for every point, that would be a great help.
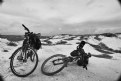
x: 57, y: 71
x: 11, y: 63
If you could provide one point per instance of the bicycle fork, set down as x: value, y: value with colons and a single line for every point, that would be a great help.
x: 24, y: 55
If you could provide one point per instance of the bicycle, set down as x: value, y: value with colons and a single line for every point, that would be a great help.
x: 56, y: 63
x: 20, y: 63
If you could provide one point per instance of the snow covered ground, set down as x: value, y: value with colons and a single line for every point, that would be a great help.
x: 104, y: 65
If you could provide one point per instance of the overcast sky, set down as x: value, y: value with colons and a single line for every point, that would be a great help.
x: 52, y: 17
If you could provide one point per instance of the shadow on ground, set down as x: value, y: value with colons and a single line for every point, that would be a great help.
x: 106, y: 56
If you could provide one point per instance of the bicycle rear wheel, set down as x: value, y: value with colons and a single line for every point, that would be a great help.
x: 22, y: 68
x: 53, y: 64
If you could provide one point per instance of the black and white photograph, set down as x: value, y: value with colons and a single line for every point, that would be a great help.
x: 60, y: 40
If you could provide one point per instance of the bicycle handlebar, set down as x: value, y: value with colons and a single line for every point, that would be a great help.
x: 25, y: 27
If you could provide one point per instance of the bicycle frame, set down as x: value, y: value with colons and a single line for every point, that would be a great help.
x: 21, y: 55
x: 59, y: 62
x: 26, y: 42
x: 65, y: 60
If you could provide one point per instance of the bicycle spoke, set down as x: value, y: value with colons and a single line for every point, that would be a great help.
x: 21, y: 67
x: 50, y: 67
x: 53, y: 64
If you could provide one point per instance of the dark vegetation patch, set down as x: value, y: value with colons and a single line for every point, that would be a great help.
x: 78, y: 42
x: 84, y: 37
x: 107, y: 48
x: 71, y: 38
x: 48, y: 42
x: 103, y: 56
x: 97, y: 38
x: 99, y: 48
x: 16, y: 38
x: 44, y: 37
x: 104, y: 49
x: 109, y: 35
x: 11, y: 44
x: 81, y: 37
x: 66, y: 34
x: 61, y: 42
x: 5, y: 50
x: 12, y: 37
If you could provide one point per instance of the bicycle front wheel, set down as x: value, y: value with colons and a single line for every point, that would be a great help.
x: 53, y: 64
x: 23, y: 67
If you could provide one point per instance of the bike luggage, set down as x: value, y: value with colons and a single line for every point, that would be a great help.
x: 74, y: 53
x: 35, y: 41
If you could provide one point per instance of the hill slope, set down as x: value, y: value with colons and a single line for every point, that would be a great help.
x: 104, y: 65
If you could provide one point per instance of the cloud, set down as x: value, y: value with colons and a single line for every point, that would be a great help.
x: 71, y: 11
x: 108, y: 30
x: 58, y: 16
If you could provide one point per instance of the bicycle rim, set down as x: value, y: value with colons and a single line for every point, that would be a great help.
x: 20, y: 68
x: 48, y: 67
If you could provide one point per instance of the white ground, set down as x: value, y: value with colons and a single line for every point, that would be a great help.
x: 99, y: 69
